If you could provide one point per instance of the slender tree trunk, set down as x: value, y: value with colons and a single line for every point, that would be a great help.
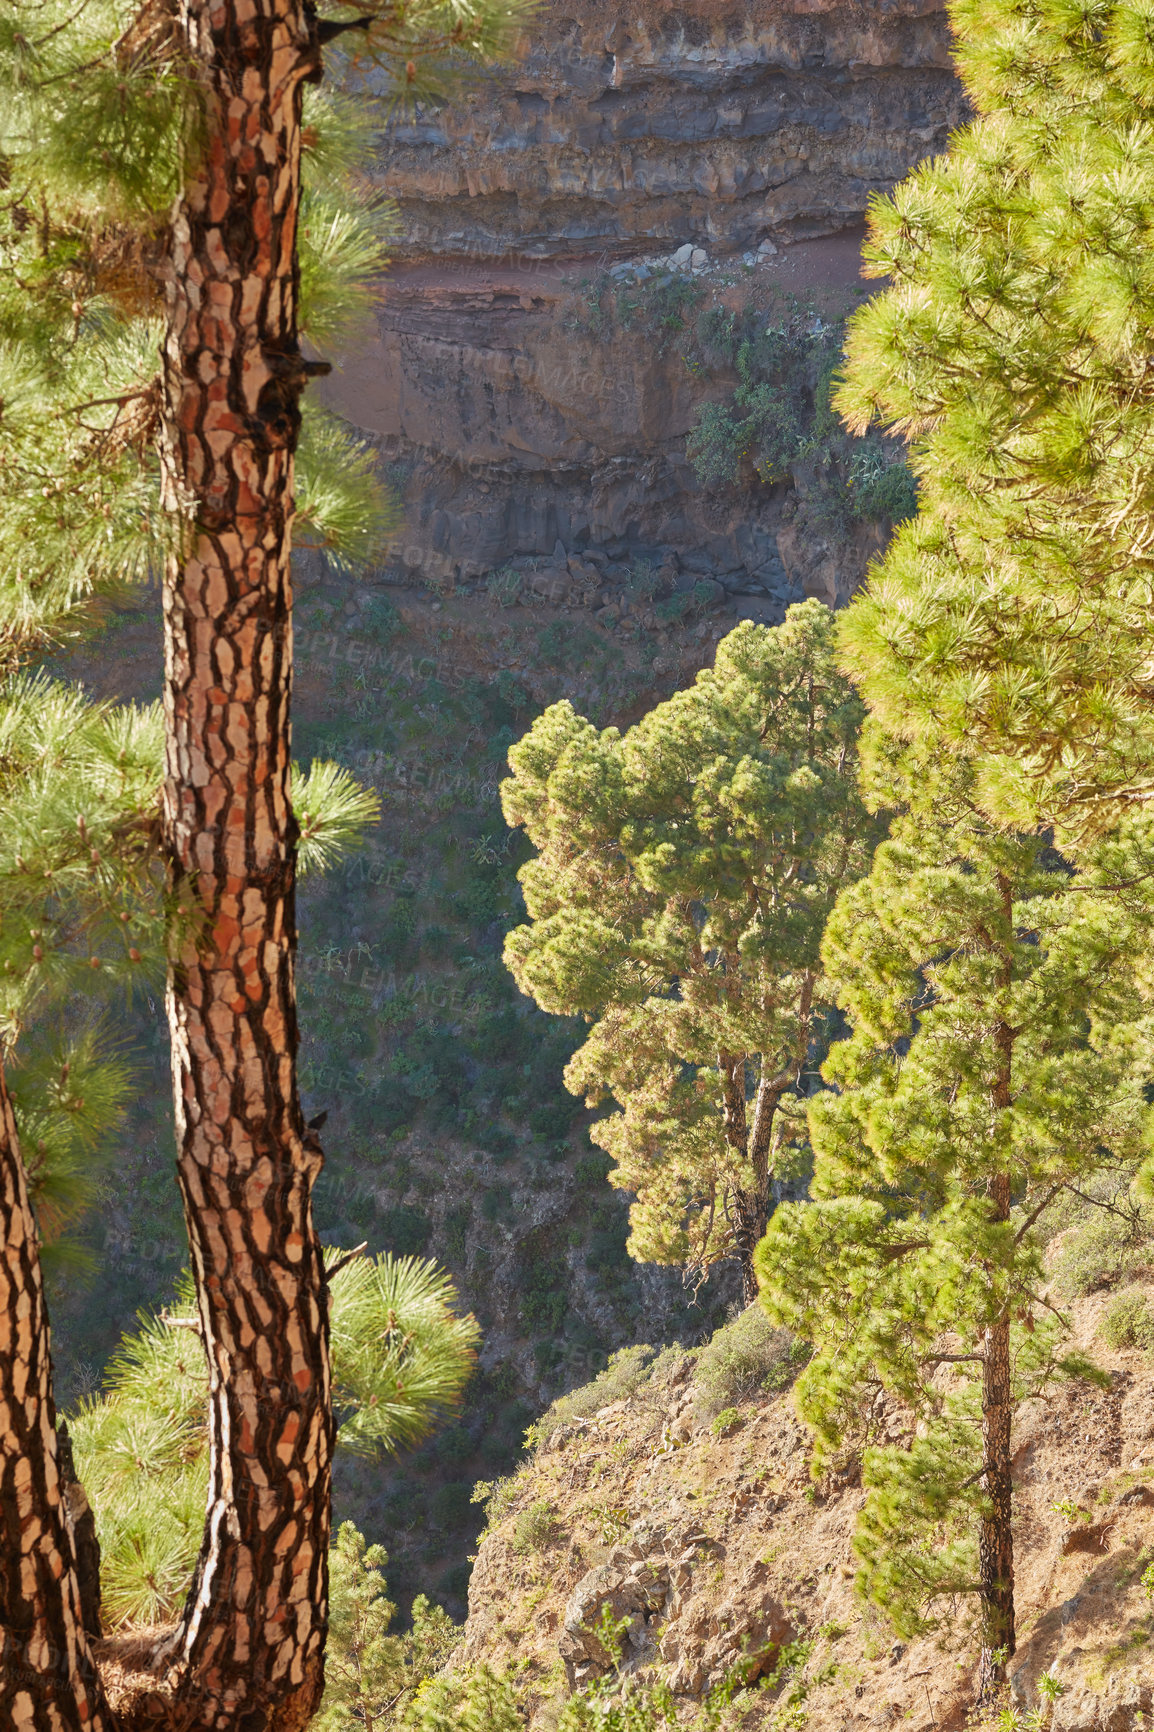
x: 48, y: 1682
x: 248, y: 1653
x: 749, y: 1207
x: 996, y: 1533
x: 741, y: 1202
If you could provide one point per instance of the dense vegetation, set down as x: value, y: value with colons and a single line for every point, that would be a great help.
x: 944, y: 919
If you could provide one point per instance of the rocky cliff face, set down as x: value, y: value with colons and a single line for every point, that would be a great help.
x: 510, y: 418
x: 622, y: 130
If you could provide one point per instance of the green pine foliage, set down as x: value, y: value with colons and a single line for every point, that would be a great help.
x: 401, y: 1357
x: 1011, y: 347
x: 81, y: 922
x: 94, y: 140
x: 682, y: 876
x: 999, y: 1033
x: 370, y: 1675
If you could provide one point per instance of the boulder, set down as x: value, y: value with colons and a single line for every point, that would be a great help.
x: 624, y: 1587
x: 1092, y: 1537
x: 748, y: 1629
x: 552, y: 584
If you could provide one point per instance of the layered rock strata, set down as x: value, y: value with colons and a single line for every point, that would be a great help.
x: 719, y: 124
x: 509, y: 419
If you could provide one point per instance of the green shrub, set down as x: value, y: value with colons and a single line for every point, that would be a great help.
x: 534, y: 1528
x: 480, y: 1701
x: 380, y: 619
x: 554, y: 1118
x: 496, y: 1496
x: 718, y: 445
x: 659, y: 307
x: 746, y: 1358
x: 726, y: 1421
x: 674, y: 607
x: 641, y: 584
x: 880, y: 488
x: 1128, y: 1320
x: 1106, y: 1236
x: 449, y: 1504
x: 457, y: 1231
x: 544, y: 1300
x: 404, y: 1231
x: 497, y: 1201
x: 593, y: 1169
x: 625, y: 1374
x: 504, y: 586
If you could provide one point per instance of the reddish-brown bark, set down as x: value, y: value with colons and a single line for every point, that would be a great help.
x: 996, y: 1531
x: 249, y: 1650
x: 47, y: 1679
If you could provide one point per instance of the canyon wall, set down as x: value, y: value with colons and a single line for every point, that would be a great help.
x: 513, y: 416
x: 622, y: 130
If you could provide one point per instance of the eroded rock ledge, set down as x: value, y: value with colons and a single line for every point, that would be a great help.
x: 719, y: 124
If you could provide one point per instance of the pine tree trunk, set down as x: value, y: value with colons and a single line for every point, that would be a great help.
x: 249, y: 1650
x: 749, y: 1205
x: 996, y: 1533
x: 47, y: 1679
x: 749, y: 1224
x: 741, y: 1202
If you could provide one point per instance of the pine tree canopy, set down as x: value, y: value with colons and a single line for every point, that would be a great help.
x: 95, y: 135
x: 683, y: 873
x: 1012, y: 345
x: 1000, y: 1044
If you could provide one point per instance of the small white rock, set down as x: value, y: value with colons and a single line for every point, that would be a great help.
x: 699, y: 258
x: 684, y: 255
x: 767, y: 250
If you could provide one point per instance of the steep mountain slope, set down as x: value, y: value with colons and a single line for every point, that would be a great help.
x: 709, y: 1534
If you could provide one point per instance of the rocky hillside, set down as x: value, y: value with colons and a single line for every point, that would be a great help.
x: 676, y: 1492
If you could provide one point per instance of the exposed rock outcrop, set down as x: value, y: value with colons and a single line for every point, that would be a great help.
x: 718, y: 124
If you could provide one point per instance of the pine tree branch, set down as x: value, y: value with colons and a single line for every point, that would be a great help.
x: 328, y: 29
x: 192, y: 1323
x: 1130, y: 1216
x: 1032, y: 1217
x: 349, y: 1257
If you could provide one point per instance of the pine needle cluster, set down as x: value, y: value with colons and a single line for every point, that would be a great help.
x: 401, y: 1357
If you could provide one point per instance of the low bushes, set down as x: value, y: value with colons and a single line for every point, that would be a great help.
x: 748, y: 1357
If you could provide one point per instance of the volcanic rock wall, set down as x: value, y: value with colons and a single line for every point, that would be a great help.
x: 714, y: 123
x: 510, y: 423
